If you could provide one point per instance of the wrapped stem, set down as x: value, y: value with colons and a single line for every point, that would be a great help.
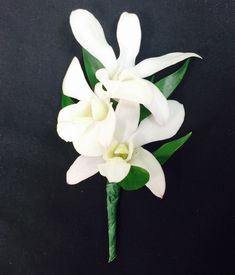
x: 112, y: 198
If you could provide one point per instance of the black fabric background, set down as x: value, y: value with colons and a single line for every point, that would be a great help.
x: 49, y: 228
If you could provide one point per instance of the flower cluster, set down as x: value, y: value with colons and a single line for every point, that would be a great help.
x: 104, y: 124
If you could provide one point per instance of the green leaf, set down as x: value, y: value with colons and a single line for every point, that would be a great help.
x: 168, y: 84
x: 152, y: 79
x: 91, y: 66
x: 115, y: 103
x: 136, y: 178
x: 66, y: 101
x: 168, y: 149
x: 144, y: 112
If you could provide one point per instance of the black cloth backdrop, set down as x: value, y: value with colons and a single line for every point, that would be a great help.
x: 48, y: 227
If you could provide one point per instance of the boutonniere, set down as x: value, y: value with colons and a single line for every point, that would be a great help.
x: 109, y: 119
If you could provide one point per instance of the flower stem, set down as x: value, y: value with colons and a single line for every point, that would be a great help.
x: 112, y: 198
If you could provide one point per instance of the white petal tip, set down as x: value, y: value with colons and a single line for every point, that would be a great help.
x: 160, y: 196
x: 79, y: 11
x: 156, y: 191
x: 70, y: 182
x: 126, y: 13
x: 196, y: 55
x: 74, y: 14
x: 70, y: 179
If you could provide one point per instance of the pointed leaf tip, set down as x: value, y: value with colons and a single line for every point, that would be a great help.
x: 168, y: 84
x: 91, y: 66
x: 168, y: 149
x: 66, y: 101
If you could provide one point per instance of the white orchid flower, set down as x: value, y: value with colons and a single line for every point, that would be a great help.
x: 90, y: 123
x: 120, y: 76
x: 125, y: 150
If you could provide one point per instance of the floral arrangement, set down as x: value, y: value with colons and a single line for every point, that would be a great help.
x: 112, y: 117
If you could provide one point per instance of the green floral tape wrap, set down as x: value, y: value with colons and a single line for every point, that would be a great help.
x: 113, y: 193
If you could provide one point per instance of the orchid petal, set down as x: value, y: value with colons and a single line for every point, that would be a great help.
x: 90, y: 35
x: 132, y: 90
x: 88, y: 144
x: 75, y: 84
x: 127, y: 115
x: 153, y: 65
x: 115, y: 169
x: 143, y: 158
x: 102, y: 75
x: 107, y: 127
x: 142, y: 92
x: 82, y: 168
x: 129, y: 38
x: 69, y: 131
x: 101, y: 93
x: 158, y: 106
x: 150, y: 131
x: 99, y: 108
x: 72, y: 121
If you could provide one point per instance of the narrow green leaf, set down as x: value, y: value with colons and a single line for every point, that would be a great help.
x: 144, y: 112
x: 168, y: 149
x: 152, y: 79
x: 136, y: 178
x: 66, y: 101
x: 168, y: 84
x: 115, y: 103
x: 91, y: 66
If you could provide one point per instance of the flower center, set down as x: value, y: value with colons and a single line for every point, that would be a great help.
x: 119, y: 150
